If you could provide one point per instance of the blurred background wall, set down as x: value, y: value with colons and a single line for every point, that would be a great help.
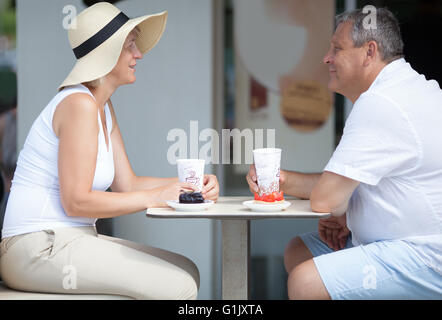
x: 8, y: 100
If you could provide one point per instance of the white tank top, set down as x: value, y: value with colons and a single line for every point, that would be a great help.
x: 34, y: 202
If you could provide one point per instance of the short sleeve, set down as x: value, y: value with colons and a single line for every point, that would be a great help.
x: 378, y: 141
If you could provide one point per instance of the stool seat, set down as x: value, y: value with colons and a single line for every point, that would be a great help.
x: 11, y: 294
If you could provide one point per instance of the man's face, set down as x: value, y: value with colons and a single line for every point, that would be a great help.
x: 344, y: 61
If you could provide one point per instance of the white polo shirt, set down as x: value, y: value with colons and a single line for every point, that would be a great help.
x: 392, y: 144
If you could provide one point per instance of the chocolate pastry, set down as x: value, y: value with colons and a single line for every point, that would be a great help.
x: 191, y: 197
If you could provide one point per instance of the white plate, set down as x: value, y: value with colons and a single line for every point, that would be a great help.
x: 189, y: 207
x: 259, y: 207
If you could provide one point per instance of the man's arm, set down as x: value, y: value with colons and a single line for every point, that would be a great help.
x: 292, y: 183
x: 328, y: 192
x: 298, y: 184
x: 332, y: 193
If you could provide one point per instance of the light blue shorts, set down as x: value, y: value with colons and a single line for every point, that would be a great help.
x: 379, y: 270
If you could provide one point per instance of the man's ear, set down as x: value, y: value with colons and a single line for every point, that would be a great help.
x: 372, y: 52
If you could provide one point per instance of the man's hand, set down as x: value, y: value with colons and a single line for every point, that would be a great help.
x: 252, y: 179
x: 334, y: 231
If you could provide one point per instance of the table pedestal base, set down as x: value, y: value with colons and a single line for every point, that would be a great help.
x: 236, y: 259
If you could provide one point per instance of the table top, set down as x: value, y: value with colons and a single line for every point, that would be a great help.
x: 232, y: 208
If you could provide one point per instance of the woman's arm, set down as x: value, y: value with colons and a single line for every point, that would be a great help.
x: 146, y: 183
x: 76, y: 124
x: 125, y: 179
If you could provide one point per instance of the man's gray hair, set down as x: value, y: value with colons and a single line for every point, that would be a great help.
x: 386, y: 33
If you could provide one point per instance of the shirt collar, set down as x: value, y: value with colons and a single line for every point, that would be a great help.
x: 389, y: 71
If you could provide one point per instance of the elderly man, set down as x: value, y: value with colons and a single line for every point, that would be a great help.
x: 383, y: 184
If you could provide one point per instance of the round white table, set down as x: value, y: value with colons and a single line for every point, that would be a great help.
x: 235, y: 219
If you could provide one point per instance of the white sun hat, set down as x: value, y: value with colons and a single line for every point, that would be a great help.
x: 99, y: 35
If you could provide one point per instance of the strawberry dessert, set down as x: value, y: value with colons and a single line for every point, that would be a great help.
x: 270, y: 198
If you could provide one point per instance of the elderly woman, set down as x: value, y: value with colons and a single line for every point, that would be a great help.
x: 74, y: 152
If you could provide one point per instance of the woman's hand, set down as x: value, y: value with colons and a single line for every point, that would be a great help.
x: 168, y: 192
x: 334, y: 231
x: 210, y: 187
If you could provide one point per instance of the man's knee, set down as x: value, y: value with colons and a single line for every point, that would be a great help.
x: 295, y: 253
x: 294, y: 285
x: 304, y: 283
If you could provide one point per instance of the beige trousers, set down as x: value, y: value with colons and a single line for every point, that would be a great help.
x: 79, y: 261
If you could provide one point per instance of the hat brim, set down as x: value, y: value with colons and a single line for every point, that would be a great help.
x: 103, y: 59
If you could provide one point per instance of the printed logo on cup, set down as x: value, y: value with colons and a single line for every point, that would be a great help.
x: 191, y: 178
x: 191, y: 171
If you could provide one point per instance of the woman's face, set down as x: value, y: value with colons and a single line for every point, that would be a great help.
x: 124, y: 71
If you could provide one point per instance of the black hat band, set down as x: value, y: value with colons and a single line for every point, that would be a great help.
x: 105, y: 33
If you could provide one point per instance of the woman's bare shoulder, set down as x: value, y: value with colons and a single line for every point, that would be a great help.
x: 78, y: 102
x: 78, y: 105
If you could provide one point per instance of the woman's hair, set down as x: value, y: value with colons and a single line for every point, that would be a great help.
x: 94, y: 83
x: 137, y: 31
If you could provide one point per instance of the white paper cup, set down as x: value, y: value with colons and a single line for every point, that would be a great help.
x: 267, y: 164
x: 192, y: 171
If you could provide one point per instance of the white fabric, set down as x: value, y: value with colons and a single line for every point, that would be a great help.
x: 392, y: 144
x: 34, y: 202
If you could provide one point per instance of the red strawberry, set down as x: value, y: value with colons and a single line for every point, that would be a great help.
x: 270, y: 197
x: 280, y: 196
